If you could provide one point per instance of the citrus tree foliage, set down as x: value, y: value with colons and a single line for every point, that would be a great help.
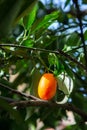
x: 38, y: 37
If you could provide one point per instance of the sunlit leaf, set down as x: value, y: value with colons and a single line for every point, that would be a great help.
x: 29, y: 19
x: 45, y: 21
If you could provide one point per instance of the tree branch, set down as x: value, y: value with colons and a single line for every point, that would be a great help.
x: 34, y: 101
x: 18, y: 92
x: 42, y: 103
x: 81, y: 29
x: 74, y: 13
x: 60, y: 52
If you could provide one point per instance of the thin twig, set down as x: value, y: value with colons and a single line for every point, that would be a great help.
x: 60, y: 52
x: 81, y: 28
x: 10, y: 100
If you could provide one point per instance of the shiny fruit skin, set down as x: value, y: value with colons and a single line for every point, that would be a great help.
x: 47, y: 86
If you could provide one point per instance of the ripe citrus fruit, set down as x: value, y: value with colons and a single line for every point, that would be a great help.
x: 47, y: 86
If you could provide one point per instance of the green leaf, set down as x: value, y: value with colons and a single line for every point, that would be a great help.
x: 66, y: 3
x: 65, y: 84
x: 35, y: 80
x: 28, y: 43
x: 73, y: 40
x: 27, y: 7
x: 29, y: 19
x: 45, y: 21
x: 85, y: 35
x: 55, y: 62
x: 52, y: 59
x: 63, y: 17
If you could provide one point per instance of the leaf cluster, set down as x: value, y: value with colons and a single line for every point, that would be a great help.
x: 36, y: 38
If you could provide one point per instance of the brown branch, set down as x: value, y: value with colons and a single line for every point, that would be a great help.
x: 42, y: 103
x: 74, y: 14
x: 60, y: 52
x: 18, y: 92
x: 34, y: 101
x: 81, y: 28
